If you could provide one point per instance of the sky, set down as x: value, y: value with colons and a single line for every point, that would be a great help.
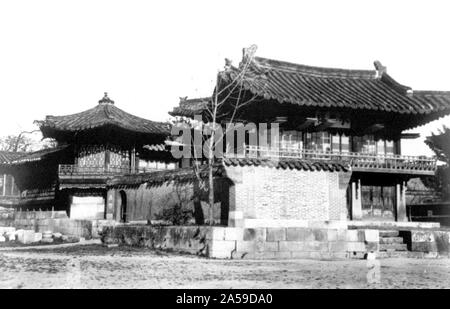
x: 59, y: 57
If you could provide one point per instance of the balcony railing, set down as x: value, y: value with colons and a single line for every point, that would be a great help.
x: 75, y: 170
x: 67, y: 170
x: 358, y: 161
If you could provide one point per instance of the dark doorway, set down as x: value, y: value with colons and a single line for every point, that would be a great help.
x: 123, y: 206
x: 378, y: 202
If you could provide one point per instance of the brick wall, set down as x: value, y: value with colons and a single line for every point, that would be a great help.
x: 270, y: 193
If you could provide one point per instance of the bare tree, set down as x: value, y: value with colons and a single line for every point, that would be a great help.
x: 17, y: 143
x: 227, y: 99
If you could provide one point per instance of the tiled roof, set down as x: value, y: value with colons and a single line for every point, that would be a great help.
x: 157, y: 178
x: 37, y: 155
x: 296, y: 164
x: 104, y: 114
x: 187, y: 175
x: 156, y: 147
x: 8, y: 156
x: 325, y: 87
x: 190, y: 107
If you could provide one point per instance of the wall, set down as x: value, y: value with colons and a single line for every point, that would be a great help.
x: 431, y: 241
x: 240, y: 243
x: 270, y: 193
x: 87, y: 207
x: 146, y: 203
x: 55, y: 221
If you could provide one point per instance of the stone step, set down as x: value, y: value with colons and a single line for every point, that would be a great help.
x: 388, y: 233
x: 391, y: 240
x: 393, y: 247
x: 392, y: 254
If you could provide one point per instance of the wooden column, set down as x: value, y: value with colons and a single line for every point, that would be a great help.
x: 4, y: 185
x: 400, y: 202
x: 356, y: 200
x: 12, y: 185
x: 133, y: 160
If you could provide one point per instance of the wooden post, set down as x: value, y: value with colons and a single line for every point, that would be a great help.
x: 12, y: 185
x: 400, y: 202
x: 356, y: 200
x: 133, y: 160
x: 4, y: 184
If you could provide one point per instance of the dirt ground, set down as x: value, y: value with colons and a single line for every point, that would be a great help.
x: 95, y: 266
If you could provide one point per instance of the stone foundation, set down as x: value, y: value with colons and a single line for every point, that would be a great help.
x: 428, y: 241
x: 248, y: 243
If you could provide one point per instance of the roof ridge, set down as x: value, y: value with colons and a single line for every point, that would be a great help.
x: 432, y: 92
x: 313, y: 70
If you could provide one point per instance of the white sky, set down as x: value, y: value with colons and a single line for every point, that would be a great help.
x: 58, y: 57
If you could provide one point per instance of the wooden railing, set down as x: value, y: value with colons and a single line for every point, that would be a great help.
x: 75, y: 170
x: 354, y: 159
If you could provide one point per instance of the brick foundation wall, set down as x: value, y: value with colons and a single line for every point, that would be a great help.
x: 270, y: 193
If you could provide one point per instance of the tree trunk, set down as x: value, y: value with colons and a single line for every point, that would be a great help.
x: 211, y: 189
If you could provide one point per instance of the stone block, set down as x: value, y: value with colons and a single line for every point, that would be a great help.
x: 351, y: 235
x: 234, y: 233
x: 342, y: 235
x: 47, y: 240
x: 276, y: 234
x: 2, y: 239
x: 300, y: 255
x: 282, y: 255
x: 221, y: 248
x: 372, y: 246
x: 10, y: 236
x: 316, y: 246
x: 26, y: 237
x: 356, y: 247
x: 338, y: 255
x: 424, y: 246
x: 19, y: 232
x: 291, y: 246
x: 271, y: 246
x: 442, y: 241
x: 299, y: 234
x: 245, y: 246
x: 6, y: 230
x: 257, y: 234
x: 332, y: 235
x: 422, y: 236
x: 37, y: 237
x: 361, y: 235
x: 371, y: 235
x: 258, y: 255
x: 339, y: 246
x: 57, y: 235
x: 317, y: 255
x: 47, y: 235
x: 320, y: 234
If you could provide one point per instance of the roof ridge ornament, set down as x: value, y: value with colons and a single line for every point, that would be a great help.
x: 381, y: 69
x: 106, y: 100
x: 249, y: 53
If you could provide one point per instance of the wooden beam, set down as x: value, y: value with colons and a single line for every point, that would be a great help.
x: 308, y: 122
x: 409, y: 135
x: 325, y: 124
x: 374, y: 128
